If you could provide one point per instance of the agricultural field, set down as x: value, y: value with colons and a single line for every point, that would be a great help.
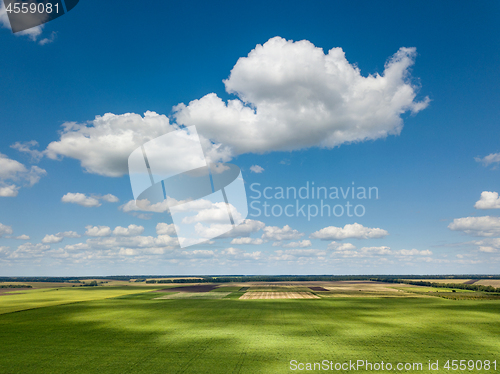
x: 489, y: 282
x: 458, y: 281
x: 214, y: 328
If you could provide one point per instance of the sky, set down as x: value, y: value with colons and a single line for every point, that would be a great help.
x: 394, y: 101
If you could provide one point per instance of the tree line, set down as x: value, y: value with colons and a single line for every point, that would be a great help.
x: 15, y: 286
x: 460, y: 286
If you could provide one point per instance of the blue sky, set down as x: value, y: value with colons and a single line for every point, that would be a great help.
x: 425, y: 134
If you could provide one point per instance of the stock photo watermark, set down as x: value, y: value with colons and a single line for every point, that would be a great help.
x: 310, y: 201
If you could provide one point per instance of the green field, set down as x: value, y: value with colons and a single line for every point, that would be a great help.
x: 125, y: 330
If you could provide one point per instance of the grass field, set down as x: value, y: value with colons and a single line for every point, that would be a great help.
x: 126, y: 330
x: 44, y: 297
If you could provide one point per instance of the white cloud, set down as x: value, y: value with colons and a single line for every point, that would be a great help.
x: 104, y: 144
x: 488, y: 245
x: 488, y: 249
x: 87, y: 201
x: 49, y: 239
x: 297, y: 254
x: 488, y: 200
x: 238, y: 254
x: 212, y: 231
x: 354, y: 230
x: 341, y: 246
x: 131, y: 230
x: 109, y: 198
x: 300, y: 244
x: 217, y: 213
x: 10, y: 169
x: 247, y: 240
x: 22, y: 237
x: 33, y: 32
x: 382, y: 250
x: 14, y: 171
x: 48, y: 40
x: 161, y: 241
x: 5, y: 230
x: 246, y: 228
x: 29, y: 250
x: 348, y: 251
x: 145, y: 206
x: 413, y: 252
x: 77, y: 247
x: 27, y: 147
x: 256, y: 169
x: 57, y: 238
x: 477, y: 226
x: 9, y: 190
x: 277, y: 234
x: 98, y: 231
x: 80, y: 199
x: 292, y: 96
x: 492, y: 158
x: 165, y: 229
x: 69, y: 234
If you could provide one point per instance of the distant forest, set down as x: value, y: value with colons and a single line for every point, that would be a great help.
x: 248, y: 278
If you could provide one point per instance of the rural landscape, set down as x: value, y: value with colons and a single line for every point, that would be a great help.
x: 264, y: 187
x: 248, y: 324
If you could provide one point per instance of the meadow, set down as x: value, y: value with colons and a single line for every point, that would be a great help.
x: 127, y: 329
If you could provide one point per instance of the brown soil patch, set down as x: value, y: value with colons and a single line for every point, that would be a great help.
x: 11, y: 291
x: 312, y: 288
x: 196, y: 288
x: 278, y: 295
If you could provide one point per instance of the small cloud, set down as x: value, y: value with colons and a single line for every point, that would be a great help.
x: 341, y: 246
x: 477, y: 226
x: 57, y: 238
x: 5, y: 230
x: 22, y: 237
x: 27, y: 147
x: 238, y: 254
x: 87, y: 201
x: 49, y: 39
x: 487, y: 249
x: 98, y: 231
x: 413, y: 252
x: 80, y: 199
x: 277, y: 234
x: 299, y: 244
x: 131, y: 230
x: 247, y: 240
x: 492, y: 158
x: 16, y: 173
x: 244, y: 229
x: 165, y: 229
x: 256, y: 169
x: 355, y: 231
x: 145, y: 206
x: 109, y: 198
x: 9, y: 191
x: 49, y: 239
x: 488, y: 200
